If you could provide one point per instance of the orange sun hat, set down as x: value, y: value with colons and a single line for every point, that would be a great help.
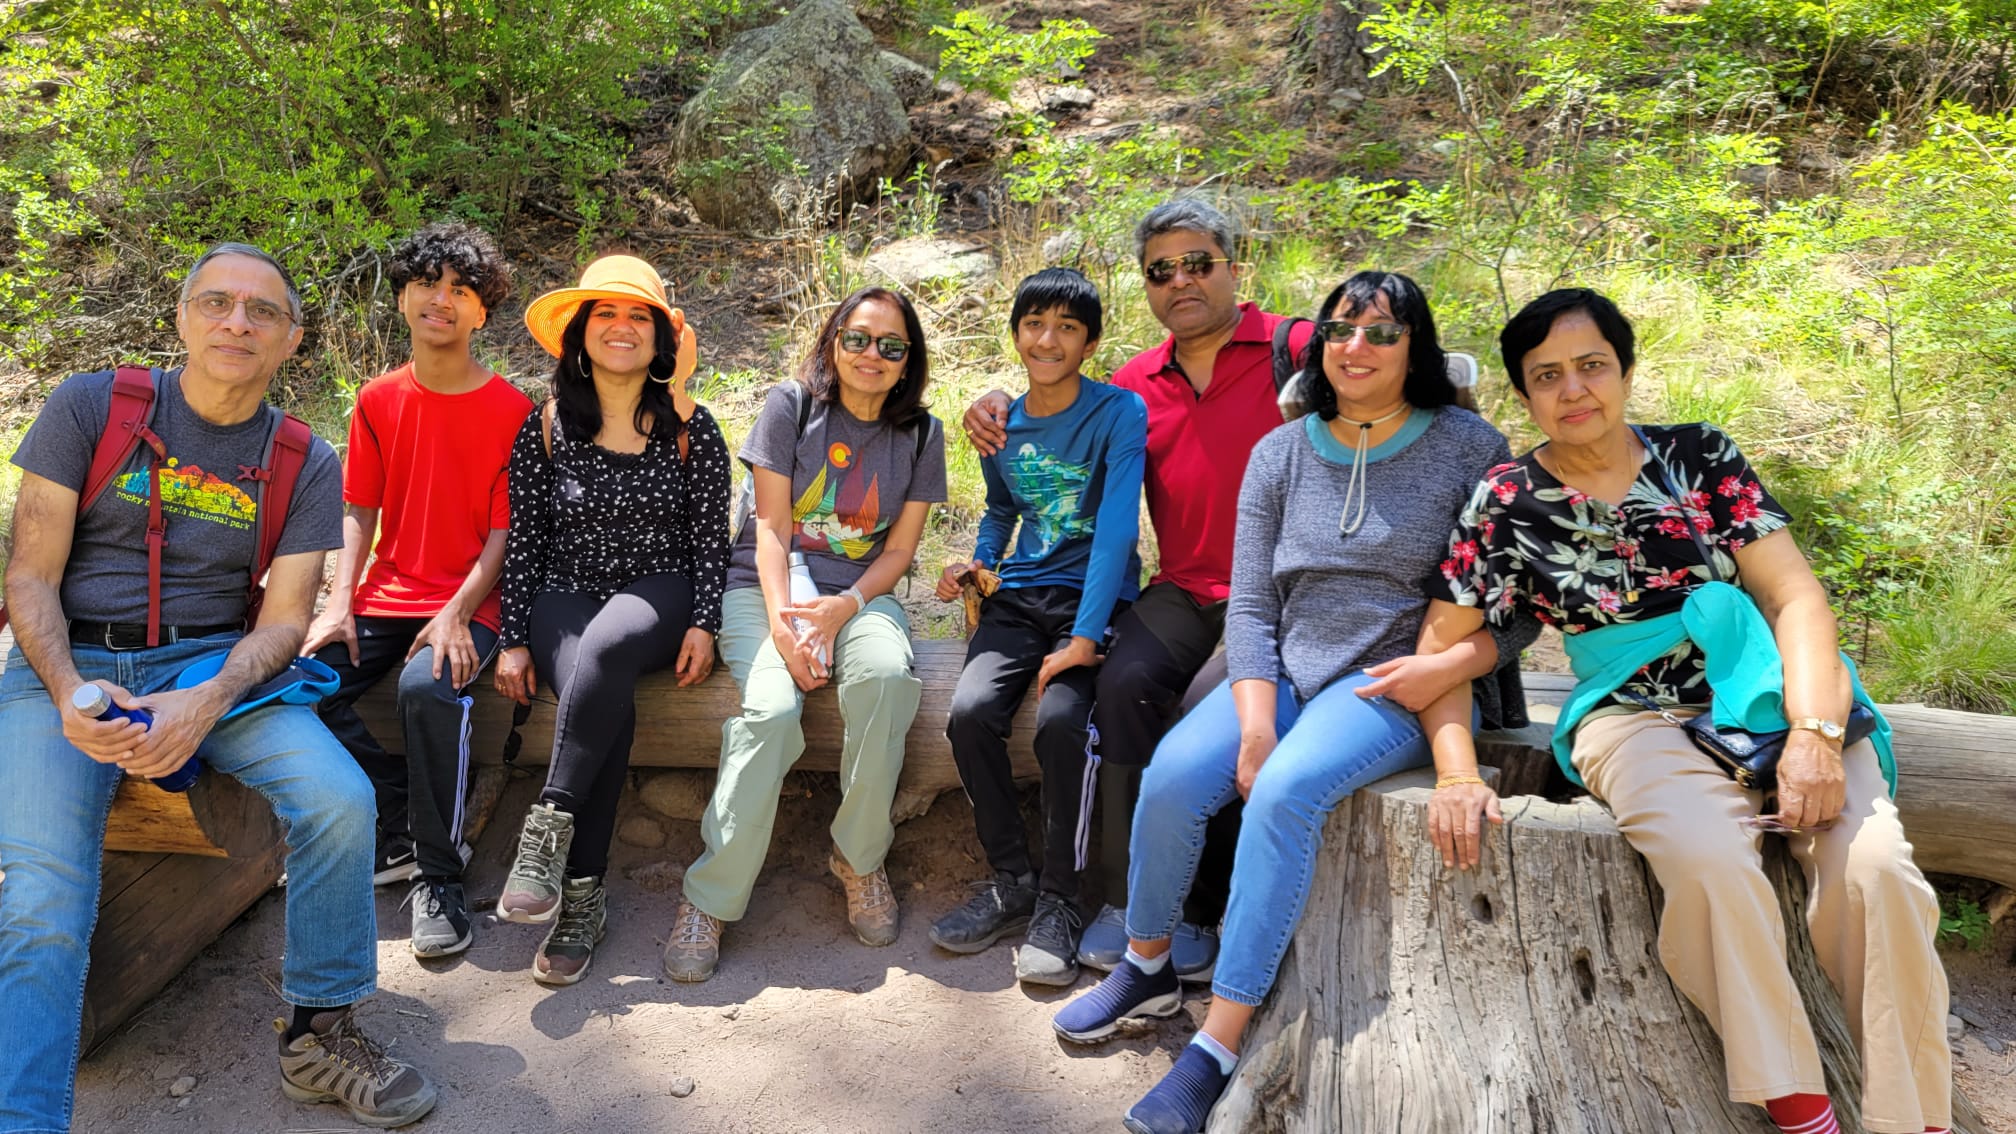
x: 611, y: 277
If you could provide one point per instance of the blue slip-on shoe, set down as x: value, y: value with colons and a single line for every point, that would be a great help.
x: 1126, y: 992
x: 1193, y: 953
x: 1181, y: 1102
x: 1105, y: 940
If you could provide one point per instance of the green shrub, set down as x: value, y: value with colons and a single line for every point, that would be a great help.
x: 1952, y: 641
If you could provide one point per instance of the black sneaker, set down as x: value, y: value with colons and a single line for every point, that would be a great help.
x: 394, y: 861
x: 441, y: 923
x: 1049, y: 955
x: 999, y: 906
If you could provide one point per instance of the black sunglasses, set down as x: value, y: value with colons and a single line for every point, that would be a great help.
x: 1378, y: 334
x: 891, y: 348
x: 1196, y: 265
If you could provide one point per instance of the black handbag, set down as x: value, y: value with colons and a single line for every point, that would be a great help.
x: 1750, y: 758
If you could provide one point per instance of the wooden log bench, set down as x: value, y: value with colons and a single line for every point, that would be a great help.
x: 1525, y: 997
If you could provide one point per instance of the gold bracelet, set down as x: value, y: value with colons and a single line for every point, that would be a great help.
x: 1452, y: 781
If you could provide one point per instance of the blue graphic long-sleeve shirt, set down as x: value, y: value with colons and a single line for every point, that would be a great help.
x: 1071, y: 484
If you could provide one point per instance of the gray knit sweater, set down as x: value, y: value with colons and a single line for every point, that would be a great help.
x: 1315, y: 604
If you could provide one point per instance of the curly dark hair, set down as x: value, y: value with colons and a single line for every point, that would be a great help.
x: 455, y: 244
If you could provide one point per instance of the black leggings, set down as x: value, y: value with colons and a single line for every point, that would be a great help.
x: 590, y: 654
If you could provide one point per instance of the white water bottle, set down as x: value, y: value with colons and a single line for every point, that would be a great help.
x: 803, y: 591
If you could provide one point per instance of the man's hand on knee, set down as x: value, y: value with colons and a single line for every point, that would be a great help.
x: 108, y: 742
x: 182, y: 718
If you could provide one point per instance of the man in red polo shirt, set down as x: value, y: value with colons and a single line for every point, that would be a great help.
x: 1210, y: 394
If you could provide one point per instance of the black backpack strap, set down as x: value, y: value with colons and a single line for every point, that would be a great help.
x: 923, y: 440
x: 1285, y: 362
x: 800, y: 395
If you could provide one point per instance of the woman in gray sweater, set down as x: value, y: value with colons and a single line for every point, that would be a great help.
x: 1343, y: 515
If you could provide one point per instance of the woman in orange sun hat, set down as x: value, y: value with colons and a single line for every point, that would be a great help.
x: 614, y: 567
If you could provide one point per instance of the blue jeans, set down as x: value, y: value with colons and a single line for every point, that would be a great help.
x: 53, y: 805
x: 1329, y: 748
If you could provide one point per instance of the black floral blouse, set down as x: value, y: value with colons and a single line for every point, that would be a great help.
x: 592, y: 521
x: 1527, y: 541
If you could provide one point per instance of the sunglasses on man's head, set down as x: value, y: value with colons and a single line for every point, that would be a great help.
x: 1196, y: 265
x: 1378, y: 334
x: 891, y: 348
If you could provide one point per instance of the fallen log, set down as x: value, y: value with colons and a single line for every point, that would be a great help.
x: 681, y: 728
x: 1526, y: 996
x: 217, y: 817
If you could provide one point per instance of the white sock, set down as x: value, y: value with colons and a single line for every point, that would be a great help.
x: 1226, y: 1057
x: 1148, y: 966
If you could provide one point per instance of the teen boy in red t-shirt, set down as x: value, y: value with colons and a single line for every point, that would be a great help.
x: 425, y: 472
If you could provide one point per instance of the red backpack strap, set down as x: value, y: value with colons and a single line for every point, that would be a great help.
x: 286, y: 455
x: 125, y: 425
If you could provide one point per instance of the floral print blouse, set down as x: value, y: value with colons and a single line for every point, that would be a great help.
x: 1527, y: 541
x: 591, y: 521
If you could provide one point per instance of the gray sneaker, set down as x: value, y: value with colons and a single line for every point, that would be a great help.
x: 1193, y: 953
x: 1105, y: 940
x: 694, y: 946
x: 584, y: 917
x: 441, y: 923
x: 1049, y: 954
x: 334, y: 1061
x: 532, y: 892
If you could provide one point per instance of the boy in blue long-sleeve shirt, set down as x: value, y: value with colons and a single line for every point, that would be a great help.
x: 1063, y: 517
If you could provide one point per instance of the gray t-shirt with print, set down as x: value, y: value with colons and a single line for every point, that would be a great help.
x: 849, y: 481
x: 207, y: 500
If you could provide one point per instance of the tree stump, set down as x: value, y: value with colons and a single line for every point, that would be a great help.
x: 1526, y: 996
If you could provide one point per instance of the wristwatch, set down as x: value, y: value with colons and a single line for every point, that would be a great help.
x: 1821, y: 725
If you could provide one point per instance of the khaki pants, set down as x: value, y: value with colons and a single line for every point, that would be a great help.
x: 1871, y: 913
x: 872, y: 674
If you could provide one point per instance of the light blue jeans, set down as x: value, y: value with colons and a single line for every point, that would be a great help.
x: 1329, y: 748
x: 53, y: 805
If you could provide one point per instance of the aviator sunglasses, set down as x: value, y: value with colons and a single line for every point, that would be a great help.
x: 891, y: 348
x: 1378, y: 334
x: 1196, y: 265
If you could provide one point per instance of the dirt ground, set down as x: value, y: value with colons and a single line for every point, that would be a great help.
x: 803, y: 1029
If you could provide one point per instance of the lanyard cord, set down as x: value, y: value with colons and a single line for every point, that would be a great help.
x: 1347, y: 523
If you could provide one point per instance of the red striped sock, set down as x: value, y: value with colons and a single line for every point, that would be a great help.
x: 1803, y: 1114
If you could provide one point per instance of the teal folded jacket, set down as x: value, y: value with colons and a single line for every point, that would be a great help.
x: 1744, y: 668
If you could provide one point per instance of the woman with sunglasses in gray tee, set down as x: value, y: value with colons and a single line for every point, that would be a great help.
x: 845, y: 464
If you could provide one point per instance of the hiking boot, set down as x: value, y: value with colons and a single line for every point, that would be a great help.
x: 441, y: 923
x: 871, y: 905
x: 334, y: 1061
x: 1105, y: 940
x: 695, y: 945
x: 1193, y: 953
x: 394, y: 861
x: 1181, y: 1102
x: 532, y: 892
x: 999, y: 906
x: 584, y: 917
x: 1125, y: 993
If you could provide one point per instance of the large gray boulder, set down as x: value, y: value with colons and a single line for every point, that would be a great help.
x: 802, y: 107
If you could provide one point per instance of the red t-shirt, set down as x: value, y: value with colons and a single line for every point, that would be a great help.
x: 433, y: 464
x: 1197, y: 447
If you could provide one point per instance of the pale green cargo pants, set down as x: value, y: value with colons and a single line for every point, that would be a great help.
x: 872, y: 670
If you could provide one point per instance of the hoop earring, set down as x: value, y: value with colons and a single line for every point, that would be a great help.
x: 651, y: 372
x: 587, y: 370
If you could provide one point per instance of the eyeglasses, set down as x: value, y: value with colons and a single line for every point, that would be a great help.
x: 1196, y: 265
x: 891, y: 348
x: 1378, y: 334
x: 217, y: 306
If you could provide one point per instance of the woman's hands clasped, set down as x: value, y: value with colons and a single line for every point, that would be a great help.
x: 1456, y: 815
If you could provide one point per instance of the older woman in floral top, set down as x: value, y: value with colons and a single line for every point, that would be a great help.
x: 1667, y: 567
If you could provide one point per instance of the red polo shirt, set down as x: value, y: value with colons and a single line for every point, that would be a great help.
x: 1198, y: 446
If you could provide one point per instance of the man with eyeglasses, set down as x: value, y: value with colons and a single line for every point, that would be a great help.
x: 1210, y: 394
x: 87, y: 608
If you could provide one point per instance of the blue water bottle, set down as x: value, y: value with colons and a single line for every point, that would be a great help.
x: 93, y: 701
